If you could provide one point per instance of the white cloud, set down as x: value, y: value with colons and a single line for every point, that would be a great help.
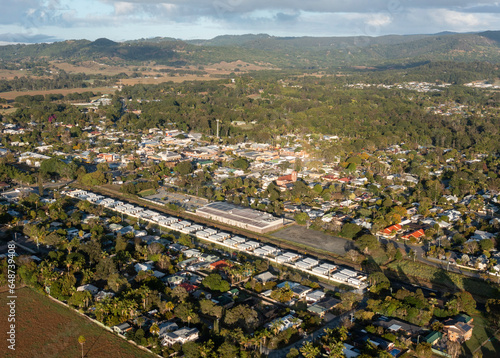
x: 204, y: 19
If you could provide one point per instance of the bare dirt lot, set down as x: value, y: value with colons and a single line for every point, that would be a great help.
x: 47, y: 329
x: 316, y: 239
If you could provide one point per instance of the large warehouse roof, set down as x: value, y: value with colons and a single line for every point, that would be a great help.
x: 240, y: 216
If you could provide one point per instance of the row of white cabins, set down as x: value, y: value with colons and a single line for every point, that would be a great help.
x: 311, y: 266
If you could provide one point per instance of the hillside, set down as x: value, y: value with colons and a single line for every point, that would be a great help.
x: 283, y: 52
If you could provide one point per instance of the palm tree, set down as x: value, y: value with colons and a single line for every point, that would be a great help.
x: 81, y: 340
x: 336, y: 349
x: 308, y: 350
x: 276, y: 326
x: 169, y: 306
x: 155, y: 330
x: 263, y: 335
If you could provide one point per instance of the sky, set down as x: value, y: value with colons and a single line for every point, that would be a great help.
x: 29, y: 21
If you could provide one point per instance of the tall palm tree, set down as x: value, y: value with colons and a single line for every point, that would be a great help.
x: 81, y: 340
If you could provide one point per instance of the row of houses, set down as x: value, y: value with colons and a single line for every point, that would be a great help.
x: 325, y: 270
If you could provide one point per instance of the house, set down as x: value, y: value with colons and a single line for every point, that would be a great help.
x: 173, y: 280
x: 433, y: 337
x: 391, y: 230
x: 101, y: 295
x: 459, y: 329
x: 416, y: 234
x: 180, y: 336
x: 146, y: 266
x: 395, y: 325
x: 265, y: 277
x: 219, y: 265
x: 328, y: 303
x: 285, y: 322
x: 315, y: 296
x: 202, y: 294
x: 188, y: 287
x: 122, y: 328
x: 301, y: 291
x: 166, y: 327
x: 91, y: 288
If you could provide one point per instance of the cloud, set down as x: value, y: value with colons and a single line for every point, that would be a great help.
x: 121, y: 19
x: 27, y: 38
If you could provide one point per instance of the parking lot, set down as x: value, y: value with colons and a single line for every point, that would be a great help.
x: 188, y: 202
x: 316, y: 239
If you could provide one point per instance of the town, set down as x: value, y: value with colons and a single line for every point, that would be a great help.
x: 206, y: 237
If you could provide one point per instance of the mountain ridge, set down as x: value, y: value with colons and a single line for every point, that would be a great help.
x: 283, y: 52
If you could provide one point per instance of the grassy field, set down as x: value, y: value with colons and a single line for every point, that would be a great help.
x: 416, y: 272
x: 481, y: 332
x: 13, y: 94
x: 46, y: 329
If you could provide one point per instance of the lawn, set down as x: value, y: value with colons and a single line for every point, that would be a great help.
x: 46, y: 329
x: 480, y: 333
x: 415, y: 272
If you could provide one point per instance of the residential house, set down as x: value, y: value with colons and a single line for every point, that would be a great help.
x: 395, y: 326
x: 265, y: 277
x: 88, y: 287
x: 122, y: 328
x: 180, y: 336
x: 459, y: 329
x: 419, y: 234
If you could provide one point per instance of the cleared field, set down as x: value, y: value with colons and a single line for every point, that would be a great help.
x: 316, y: 239
x: 46, y: 329
x: 14, y: 94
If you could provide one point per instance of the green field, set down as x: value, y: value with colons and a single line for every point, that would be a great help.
x: 482, y: 332
x: 45, y: 329
x: 437, y: 278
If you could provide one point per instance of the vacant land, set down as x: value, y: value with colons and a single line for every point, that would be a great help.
x: 316, y: 239
x: 47, y: 329
x: 416, y: 272
x: 13, y: 94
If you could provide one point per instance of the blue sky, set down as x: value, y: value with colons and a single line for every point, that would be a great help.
x: 53, y: 20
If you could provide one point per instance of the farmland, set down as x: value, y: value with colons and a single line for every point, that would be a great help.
x: 45, y: 329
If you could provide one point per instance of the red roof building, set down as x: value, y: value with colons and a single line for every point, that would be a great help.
x: 391, y: 230
x: 286, y: 179
x: 219, y: 265
x: 417, y: 234
x: 188, y: 287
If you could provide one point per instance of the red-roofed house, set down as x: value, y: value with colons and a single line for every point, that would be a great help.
x: 188, y: 287
x: 391, y: 230
x: 220, y: 265
x: 417, y: 235
x: 330, y: 177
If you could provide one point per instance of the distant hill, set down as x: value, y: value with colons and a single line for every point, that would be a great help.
x: 283, y: 52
